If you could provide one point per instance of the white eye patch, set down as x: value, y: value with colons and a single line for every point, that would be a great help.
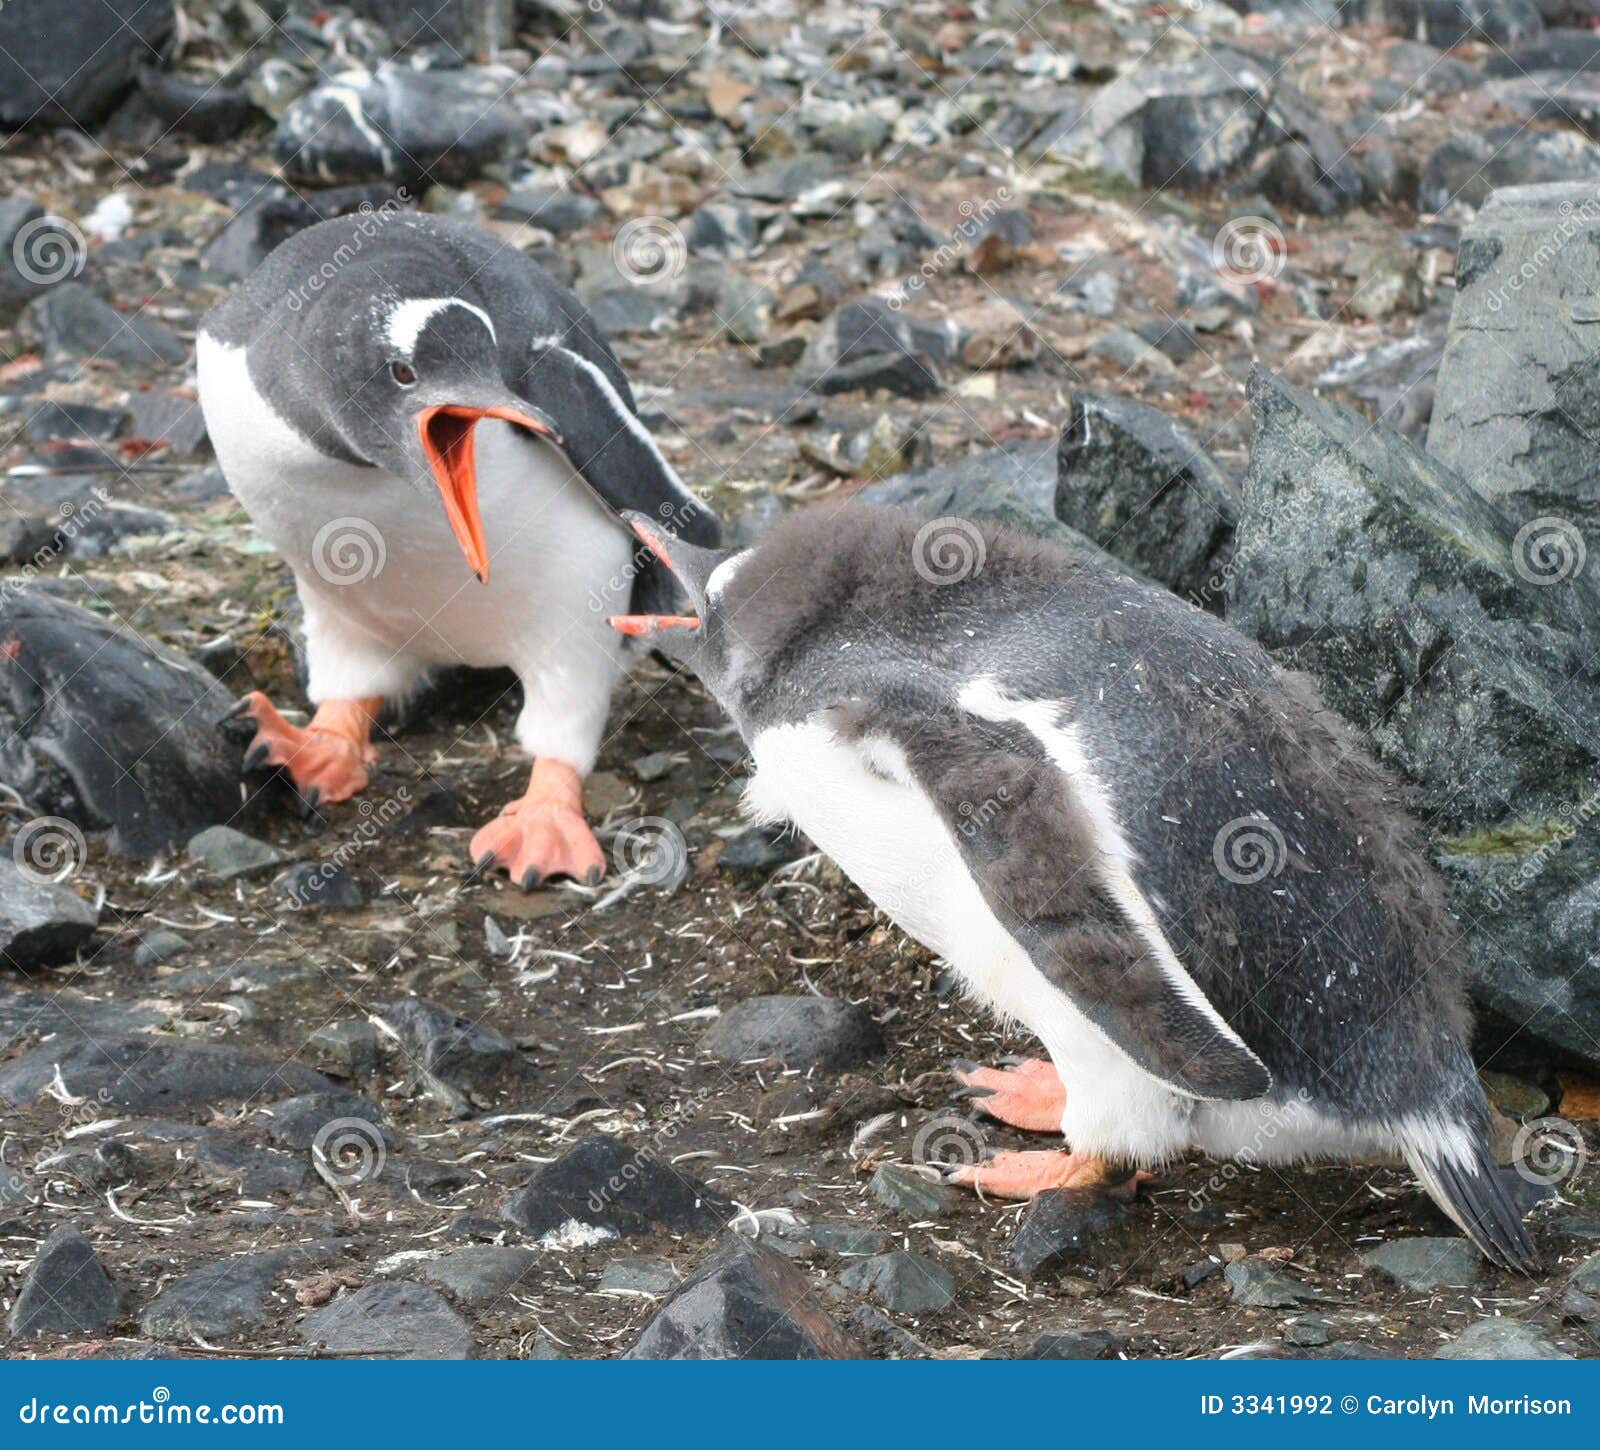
x: 415, y: 313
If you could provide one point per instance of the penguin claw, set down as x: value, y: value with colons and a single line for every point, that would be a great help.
x: 239, y: 707
x: 962, y: 1093
x: 256, y: 756
x: 592, y: 876
x: 530, y: 878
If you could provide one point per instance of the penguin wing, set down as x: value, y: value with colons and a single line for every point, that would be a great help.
x: 574, y: 380
x: 1041, y: 839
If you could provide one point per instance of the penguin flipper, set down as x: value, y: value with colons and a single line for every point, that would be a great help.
x: 1049, y: 861
x: 575, y: 381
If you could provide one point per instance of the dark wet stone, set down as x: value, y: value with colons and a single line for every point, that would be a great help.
x: 74, y: 421
x: 1419, y: 69
x: 871, y: 335
x: 208, y: 110
x: 1310, y: 1331
x: 1426, y: 1263
x: 760, y: 848
x: 347, y: 1049
x: 70, y: 320
x: 1255, y: 1284
x: 1501, y: 1339
x: 443, y: 127
x: 253, y: 1172
x: 1388, y: 577
x: 1197, y: 1273
x: 221, y: 1298
x: 891, y: 372
x: 849, y: 1239
x: 152, y: 1072
x: 904, y: 1282
x: 801, y: 1031
x: 908, y: 1193
x: 722, y: 230
x: 159, y: 945
x: 605, y: 1184
x: 64, y: 1290
x: 553, y: 211
x: 782, y: 180
x: 1447, y: 23
x: 1073, y: 1344
x: 168, y: 418
x: 319, y: 884
x: 1587, y: 1275
x: 295, y: 1122
x: 71, y: 61
x: 107, y: 1164
x: 67, y: 1016
x: 35, y: 254
x: 227, y: 853
x: 41, y: 922
x: 246, y: 976
x: 1569, y: 51
x: 1141, y: 486
x: 390, y: 1321
x: 745, y: 1302
x: 654, y: 1277
x: 456, y: 1052
x: 1061, y: 1227
x: 267, y: 217
x: 481, y: 1273
x: 107, y: 729
x: 1471, y: 164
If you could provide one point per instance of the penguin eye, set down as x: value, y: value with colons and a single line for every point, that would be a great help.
x: 403, y: 373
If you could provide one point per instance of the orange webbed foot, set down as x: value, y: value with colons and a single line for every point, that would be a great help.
x: 1027, y: 1096
x: 327, y: 760
x: 542, y: 834
x: 1028, y: 1174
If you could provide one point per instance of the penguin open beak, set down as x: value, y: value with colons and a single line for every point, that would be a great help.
x: 656, y: 541
x: 446, y: 434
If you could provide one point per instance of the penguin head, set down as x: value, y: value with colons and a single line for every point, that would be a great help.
x: 701, y: 640
x: 426, y: 370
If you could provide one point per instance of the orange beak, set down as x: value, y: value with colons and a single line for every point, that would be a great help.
x: 446, y: 433
x: 638, y: 624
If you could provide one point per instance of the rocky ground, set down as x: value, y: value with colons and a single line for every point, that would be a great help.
x: 279, y: 1086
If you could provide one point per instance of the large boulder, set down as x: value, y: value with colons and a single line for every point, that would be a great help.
x: 103, y: 727
x: 1142, y: 488
x: 1410, y: 597
x: 69, y: 61
x: 1517, y: 402
x: 42, y: 922
x: 1464, y: 170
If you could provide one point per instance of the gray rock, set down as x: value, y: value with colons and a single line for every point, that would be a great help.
x: 908, y: 1193
x: 872, y: 333
x: 297, y: 1122
x: 1586, y: 1278
x: 1446, y: 23
x: 35, y: 254
x: 347, y: 1049
x: 1427, y: 1263
x: 1517, y: 398
x: 604, y: 1184
x: 154, y: 1073
x: 724, y: 230
x: 452, y: 1052
x: 745, y: 1302
x: 225, y: 1297
x: 67, y: 1016
x: 1403, y: 591
x: 904, y: 1282
x: 801, y: 1031
x: 1141, y: 487
x: 71, y: 321
x: 320, y: 884
x: 1257, y: 1285
x: 1061, y: 1228
x: 481, y: 1273
x: 65, y: 1290
x: 1569, y: 51
x: 249, y: 1171
x: 69, y: 62
x: 390, y: 1321
x: 267, y: 217
x: 227, y: 853
x: 1073, y: 1344
x: 109, y: 730
x: 760, y: 848
x: 1394, y: 379
x: 159, y: 945
x: 1471, y: 164
x: 1551, y: 95
x: 559, y: 212
x: 1501, y: 1339
x: 41, y: 921
x: 653, y: 1277
x: 466, y: 26
x: 169, y: 418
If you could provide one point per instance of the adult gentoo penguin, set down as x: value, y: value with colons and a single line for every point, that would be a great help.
x: 1124, y: 827
x: 430, y: 430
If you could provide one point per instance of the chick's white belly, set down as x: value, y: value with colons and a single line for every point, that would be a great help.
x: 887, y: 837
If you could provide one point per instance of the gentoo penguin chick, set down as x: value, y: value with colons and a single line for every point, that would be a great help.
x: 430, y: 430
x: 1124, y: 827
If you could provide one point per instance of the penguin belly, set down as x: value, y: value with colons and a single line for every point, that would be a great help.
x: 386, y: 589
x: 859, y: 804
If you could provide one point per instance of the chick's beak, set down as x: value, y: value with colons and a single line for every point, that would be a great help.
x: 642, y: 624
x: 446, y: 435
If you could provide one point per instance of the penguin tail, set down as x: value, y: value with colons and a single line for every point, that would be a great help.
x: 1461, y: 1176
